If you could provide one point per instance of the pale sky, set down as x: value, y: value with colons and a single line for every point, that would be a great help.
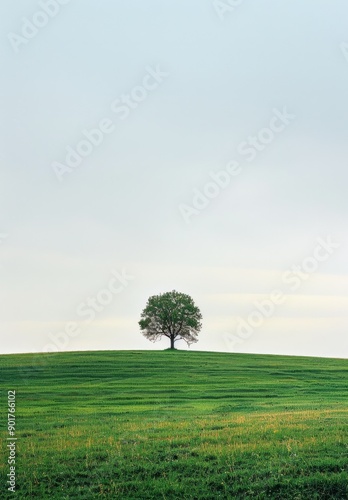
x: 174, y: 144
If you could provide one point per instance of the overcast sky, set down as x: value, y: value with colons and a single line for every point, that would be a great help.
x: 172, y: 144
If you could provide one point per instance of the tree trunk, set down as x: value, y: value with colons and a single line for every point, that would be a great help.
x: 172, y: 341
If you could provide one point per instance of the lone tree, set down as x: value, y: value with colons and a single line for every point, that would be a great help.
x: 173, y: 315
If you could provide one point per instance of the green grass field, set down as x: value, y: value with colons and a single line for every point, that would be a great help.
x: 176, y: 425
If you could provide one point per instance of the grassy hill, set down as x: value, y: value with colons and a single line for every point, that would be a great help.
x: 176, y: 425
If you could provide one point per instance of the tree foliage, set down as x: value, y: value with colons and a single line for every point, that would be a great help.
x: 173, y: 315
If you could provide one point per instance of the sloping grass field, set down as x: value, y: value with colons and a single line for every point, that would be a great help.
x: 176, y: 425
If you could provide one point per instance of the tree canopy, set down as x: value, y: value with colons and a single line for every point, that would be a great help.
x: 173, y: 315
